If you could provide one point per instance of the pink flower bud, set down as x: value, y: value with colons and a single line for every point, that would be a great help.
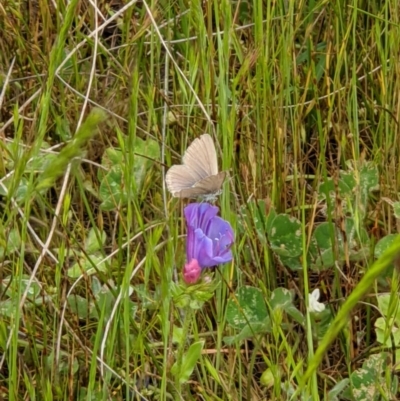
x: 191, y: 271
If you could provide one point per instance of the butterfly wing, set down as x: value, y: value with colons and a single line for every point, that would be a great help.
x: 198, y: 175
x: 201, y: 157
x: 208, y: 186
x: 179, y: 178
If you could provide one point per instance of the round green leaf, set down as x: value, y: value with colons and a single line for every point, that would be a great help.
x: 247, y: 307
x: 285, y: 236
x: 383, y: 244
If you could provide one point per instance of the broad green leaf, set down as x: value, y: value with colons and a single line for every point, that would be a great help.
x: 247, y: 307
x: 121, y: 181
x: 96, y: 286
x: 13, y: 153
x: 343, y: 187
x: 63, y: 129
x: 324, y: 321
x: 325, y: 260
x: 337, y: 389
x: 291, y: 263
x: 323, y: 235
x: 13, y: 243
x: 189, y: 361
x: 115, y: 157
x: 15, y: 285
x: 396, y: 209
x: 358, y: 241
x: 347, y: 183
x: 87, y: 265
x: 282, y: 298
x: 270, y: 218
x: 80, y: 306
x: 65, y: 364
x: 112, y: 191
x: 285, y: 236
x: 369, y: 178
x: 386, y: 332
x: 150, y: 299
x: 177, y: 335
x: 255, y: 215
x: 22, y: 190
x: 383, y: 244
x: 145, y: 153
x: 383, y: 303
x: 292, y: 311
x: 16, y: 190
x: 8, y: 307
x: 95, y: 240
x: 357, y: 237
x: 105, y: 300
x: 323, y: 250
x: 352, y: 188
x: 368, y: 381
x: 249, y: 332
x: 389, y: 306
x: 40, y: 162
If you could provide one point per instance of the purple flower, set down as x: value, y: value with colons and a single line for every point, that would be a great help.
x: 209, y: 237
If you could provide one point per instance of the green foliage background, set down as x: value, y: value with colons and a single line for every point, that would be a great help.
x: 98, y: 99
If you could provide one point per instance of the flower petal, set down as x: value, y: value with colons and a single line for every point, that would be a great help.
x: 207, y: 213
x: 315, y: 294
x: 191, y: 243
x: 223, y: 257
x: 198, y: 215
x: 314, y: 305
x: 204, y: 249
x: 209, y: 237
x: 218, y: 227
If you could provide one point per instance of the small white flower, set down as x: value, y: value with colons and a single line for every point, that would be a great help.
x: 313, y: 304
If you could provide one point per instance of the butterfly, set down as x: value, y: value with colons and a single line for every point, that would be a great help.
x: 198, y: 174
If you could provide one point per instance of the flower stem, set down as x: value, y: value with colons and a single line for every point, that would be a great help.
x: 187, y: 313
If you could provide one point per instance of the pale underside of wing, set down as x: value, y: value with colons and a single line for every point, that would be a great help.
x: 182, y: 185
x: 179, y: 178
x: 201, y: 158
x: 198, y: 175
x: 208, y: 186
